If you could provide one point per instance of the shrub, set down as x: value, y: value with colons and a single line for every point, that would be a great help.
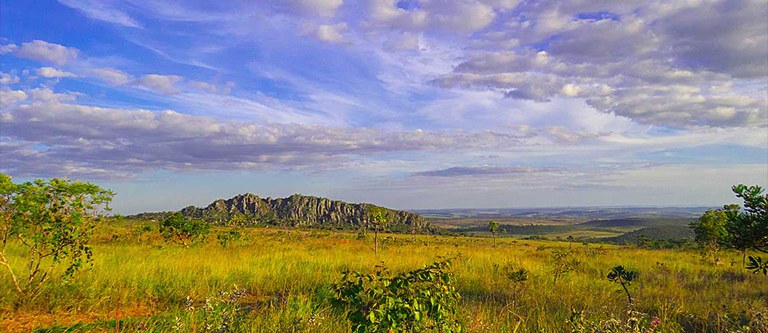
x: 183, y: 230
x: 228, y: 237
x: 564, y: 261
x: 417, y: 301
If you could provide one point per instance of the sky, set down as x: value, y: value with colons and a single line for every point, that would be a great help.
x: 406, y: 104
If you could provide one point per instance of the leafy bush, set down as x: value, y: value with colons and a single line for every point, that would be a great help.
x: 183, y: 230
x: 417, y: 301
x: 226, y: 238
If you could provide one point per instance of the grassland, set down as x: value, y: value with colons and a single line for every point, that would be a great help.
x: 140, y: 283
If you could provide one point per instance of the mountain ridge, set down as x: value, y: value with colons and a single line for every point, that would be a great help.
x: 299, y: 211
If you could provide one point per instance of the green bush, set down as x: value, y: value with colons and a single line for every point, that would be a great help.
x: 422, y: 300
x: 183, y: 230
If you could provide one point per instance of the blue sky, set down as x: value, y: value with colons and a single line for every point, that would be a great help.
x: 407, y: 104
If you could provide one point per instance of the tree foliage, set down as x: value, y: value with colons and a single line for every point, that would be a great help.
x: 493, y: 227
x: 710, y: 230
x: 52, y: 220
x: 748, y: 228
x: 377, y: 218
x: 184, y: 230
x: 423, y: 300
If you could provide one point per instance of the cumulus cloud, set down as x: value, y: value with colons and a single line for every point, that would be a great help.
x: 722, y: 36
x: 655, y: 63
x: 51, y: 73
x: 10, y: 97
x: 112, y: 76
x: 164, y: 84
x: 46, y: 52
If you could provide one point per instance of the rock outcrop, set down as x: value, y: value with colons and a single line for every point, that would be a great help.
x: 303, y: 211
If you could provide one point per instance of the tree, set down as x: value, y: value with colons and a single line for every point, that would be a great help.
x: 493, y: 227
x: 710, y: 230
x: 377, y: 217
x: 183, y: 230
x: 748, y: 228
x: 52, y: 220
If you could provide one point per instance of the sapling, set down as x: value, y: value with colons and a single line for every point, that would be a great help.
x: 493, y: 227
x: 623, y: 277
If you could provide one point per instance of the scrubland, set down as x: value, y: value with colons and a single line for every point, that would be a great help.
x: 282, y: 281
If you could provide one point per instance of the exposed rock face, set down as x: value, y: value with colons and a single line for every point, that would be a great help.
x: 300, y: 210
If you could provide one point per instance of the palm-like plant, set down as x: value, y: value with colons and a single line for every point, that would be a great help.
x: 623, y: 277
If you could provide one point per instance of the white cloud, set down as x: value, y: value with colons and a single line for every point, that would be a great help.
x: 112, y: 76
x: 164, y: 84
x: 6, y: 79
x: 129, y: 141
x: 7, y: 48
x: 331, y: 33
x: 50, y: 72
x: 10, y: 97
x: 46, y: 52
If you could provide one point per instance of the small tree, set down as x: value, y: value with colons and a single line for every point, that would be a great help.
x: 710, y: 231
x: 748, y: 228
x: 183, y: 230
x: 493, y: 227
x: 623, y: 277
x: 53, y: 220
x: 377, y: 218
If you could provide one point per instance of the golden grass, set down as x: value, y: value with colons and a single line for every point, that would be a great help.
x: 289, y: 273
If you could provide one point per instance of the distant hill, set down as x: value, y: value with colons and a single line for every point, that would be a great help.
x: 663, y: 233
x: 568, y: 212
x: 637, y: 223
x: 297, y: 211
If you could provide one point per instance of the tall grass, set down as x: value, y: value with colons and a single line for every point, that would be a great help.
x: 146, y: 283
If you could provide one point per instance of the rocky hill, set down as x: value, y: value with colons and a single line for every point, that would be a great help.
x: 302, y: 211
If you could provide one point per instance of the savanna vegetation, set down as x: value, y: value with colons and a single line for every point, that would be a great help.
x: 176, y: 274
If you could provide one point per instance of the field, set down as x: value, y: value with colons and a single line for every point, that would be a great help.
x: 284, y: 278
